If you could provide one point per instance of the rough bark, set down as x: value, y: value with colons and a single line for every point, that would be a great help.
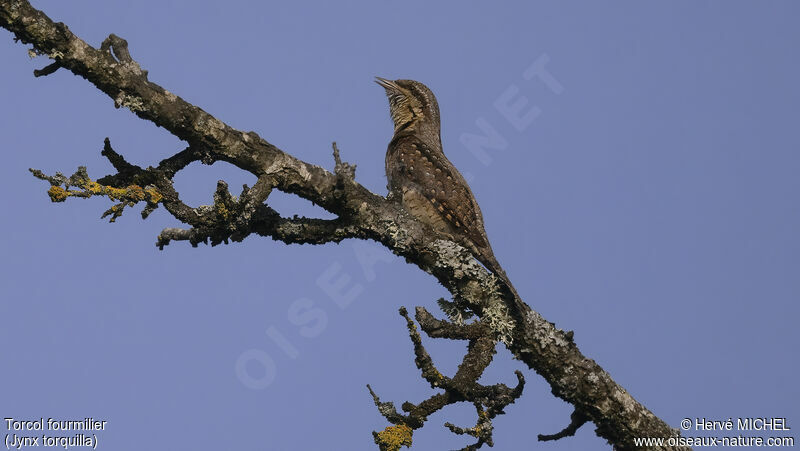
x: 360, y: 214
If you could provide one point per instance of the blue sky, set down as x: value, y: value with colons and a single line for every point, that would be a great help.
x: 648, y: 201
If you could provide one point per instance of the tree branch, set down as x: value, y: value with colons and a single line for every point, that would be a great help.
x: 361, y: 214
x: 577, y: 420
x: 489, y: 401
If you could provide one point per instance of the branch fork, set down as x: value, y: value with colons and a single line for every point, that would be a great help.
x: 489, y: 401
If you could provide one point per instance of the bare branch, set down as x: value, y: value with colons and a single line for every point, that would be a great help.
x: 577, y: 420
x: 47, y: 70
x: 345, y: 170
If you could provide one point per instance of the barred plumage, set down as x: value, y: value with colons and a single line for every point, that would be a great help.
x: 424, y: 180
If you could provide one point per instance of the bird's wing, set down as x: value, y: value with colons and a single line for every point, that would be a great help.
x: 417, y: 166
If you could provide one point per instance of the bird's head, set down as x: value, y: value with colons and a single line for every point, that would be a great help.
x: 411, y: 104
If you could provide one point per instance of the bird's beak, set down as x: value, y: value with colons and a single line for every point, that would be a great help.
x: 387, y: 84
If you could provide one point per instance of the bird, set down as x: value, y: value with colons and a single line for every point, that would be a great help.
x: 425, y: 182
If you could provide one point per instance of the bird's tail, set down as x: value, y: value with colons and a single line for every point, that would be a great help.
x: 486, y: 257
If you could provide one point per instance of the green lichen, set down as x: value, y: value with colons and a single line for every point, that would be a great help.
x: 500, y: 321
x: 131, y: 102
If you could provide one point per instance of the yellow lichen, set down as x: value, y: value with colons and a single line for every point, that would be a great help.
x: 127, y: 196
x: 94, y: 187
x: 115, y: 193
x: 393, y: 437
x: 155, y: 196
x: 57, y: 194
x: 135, y: 192
x: 223, y: 211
